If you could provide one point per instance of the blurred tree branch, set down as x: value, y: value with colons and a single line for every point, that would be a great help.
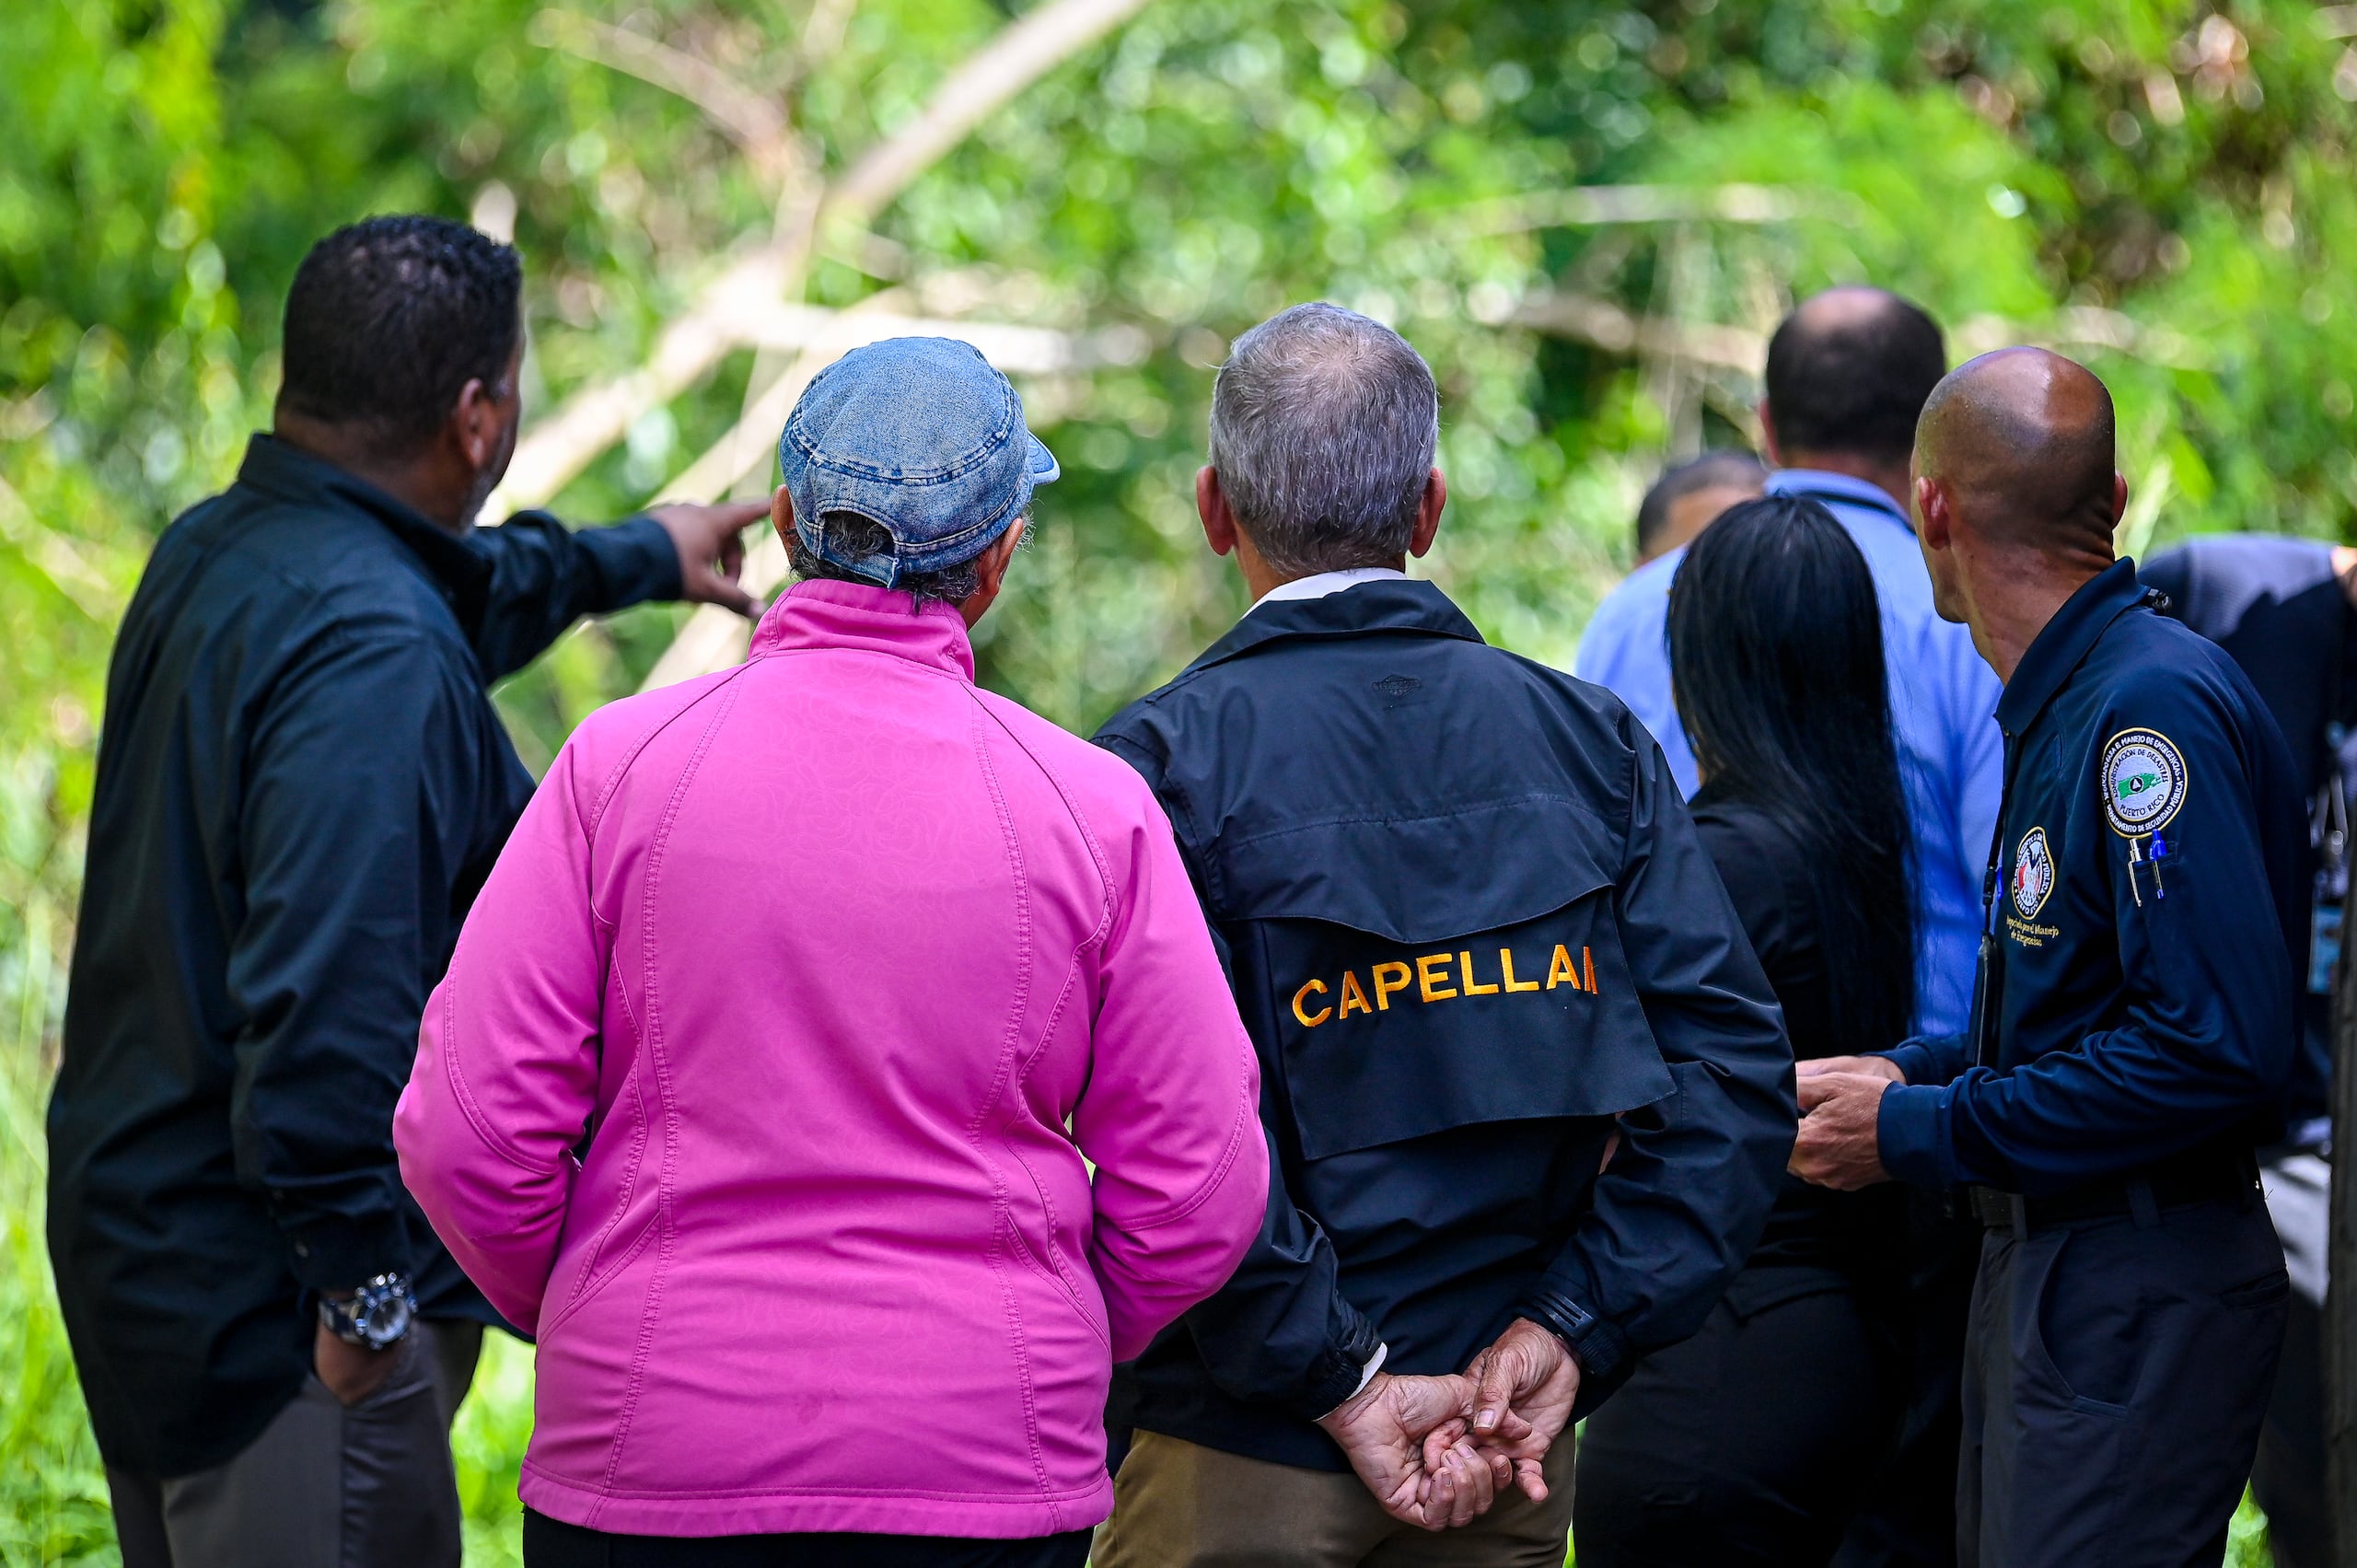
x: 751, y: 120
x: 559, y: 447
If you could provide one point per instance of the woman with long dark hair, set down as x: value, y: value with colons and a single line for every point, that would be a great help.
x: 1751, y: 1443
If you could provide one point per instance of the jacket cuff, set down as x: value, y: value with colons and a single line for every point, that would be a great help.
x: 1339, y: 1371
x: 337, y: 1253
x: 1923, y: 1060
x: 1913, y: 1134
x: 1597, y: 1342
x: 634, y: 561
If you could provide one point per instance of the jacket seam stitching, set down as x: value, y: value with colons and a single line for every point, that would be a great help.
x: 476, y: 1121
x: 594, y: 1279
x: 1212, y: 1183
x: 1063, y: 995
x: 1218, y: 1177
x: 1061, y: 1276
x: 647, y: 737
x: 1009, y: 1060
x: 663, y: 1226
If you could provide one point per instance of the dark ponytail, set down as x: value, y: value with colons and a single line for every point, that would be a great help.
x: 1776, y: 662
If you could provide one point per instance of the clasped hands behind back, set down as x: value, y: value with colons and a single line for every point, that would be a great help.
x: 1437, y: 1451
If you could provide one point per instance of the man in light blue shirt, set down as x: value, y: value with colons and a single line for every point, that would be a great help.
x: 1848, y: 373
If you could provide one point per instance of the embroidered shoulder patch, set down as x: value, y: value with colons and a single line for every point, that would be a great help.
x: 2143, y: 782
x: 2033, y: 874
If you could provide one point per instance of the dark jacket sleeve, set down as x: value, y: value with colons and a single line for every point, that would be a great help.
x: 349, y: 854
x: 1280, y: 1331
x: 2204, y: 1040
x: 1686, y: 1194
x: 544, y: 576
x: 1931, y: 1059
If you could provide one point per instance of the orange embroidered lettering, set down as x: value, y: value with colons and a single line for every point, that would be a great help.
x: 1435, y: 987
x: 1505, y: 966
x: 1389, y: 978
x: 1353, y: 999
x: 1561, y: 972
x: 1588, y: 962
x: 1465, y: 971
x: 1323, y: 1013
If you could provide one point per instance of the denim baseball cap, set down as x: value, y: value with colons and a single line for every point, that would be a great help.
x: 921, y: 436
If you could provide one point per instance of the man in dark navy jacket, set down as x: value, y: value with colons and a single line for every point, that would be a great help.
x: 301, y: 785
x: 1483, y: 956
x: 2131, y: 1033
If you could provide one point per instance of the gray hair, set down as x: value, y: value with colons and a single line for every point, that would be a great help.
x: 856, y: 537
x: 1323, y: 428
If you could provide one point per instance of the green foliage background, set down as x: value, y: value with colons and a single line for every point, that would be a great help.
x: 2172, y: 179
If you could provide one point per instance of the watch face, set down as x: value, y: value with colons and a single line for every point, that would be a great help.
x: 381, y: 1313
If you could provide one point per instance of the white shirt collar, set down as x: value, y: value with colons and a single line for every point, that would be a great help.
x: 1318, y: 584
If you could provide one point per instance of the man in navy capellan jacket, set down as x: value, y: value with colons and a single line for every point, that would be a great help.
x: 1475, y: 939
x: 301, y: 785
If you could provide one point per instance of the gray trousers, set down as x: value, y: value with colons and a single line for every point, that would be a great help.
x: 2115, y: 1376
x: 2289, y: 1479
x: 325, y: 1485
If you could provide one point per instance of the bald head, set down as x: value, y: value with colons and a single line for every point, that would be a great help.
x: 1848, y: 372
x: 2023, y: 441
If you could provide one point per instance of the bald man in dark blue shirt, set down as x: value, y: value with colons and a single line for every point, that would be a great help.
x: 2131, y: 1033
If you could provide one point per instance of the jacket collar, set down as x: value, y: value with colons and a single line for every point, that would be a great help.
x: 1405, y: 605
x: 822, y: 613
x: 2058, y: 650
x: 457, y: 566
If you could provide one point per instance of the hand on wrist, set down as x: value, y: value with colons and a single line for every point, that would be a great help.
x: 1406, y: 1439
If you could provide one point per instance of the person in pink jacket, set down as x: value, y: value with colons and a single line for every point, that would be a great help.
x: 767, y: 1080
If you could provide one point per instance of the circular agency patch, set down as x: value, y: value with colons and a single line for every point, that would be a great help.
x: 2143, y: 782
x: 2033, y: 874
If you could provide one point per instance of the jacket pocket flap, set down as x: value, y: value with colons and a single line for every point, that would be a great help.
x: 1379, y: 1041
x: 1418, y: 879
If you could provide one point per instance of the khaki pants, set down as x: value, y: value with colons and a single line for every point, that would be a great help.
x: 326, y: 1485
x: 1177, y: 1505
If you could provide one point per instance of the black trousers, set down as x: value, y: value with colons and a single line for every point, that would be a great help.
x: 1751, y: 1443
x: 2115, y: 1376
x: 1908, y: 1518
x: 550, y: 1543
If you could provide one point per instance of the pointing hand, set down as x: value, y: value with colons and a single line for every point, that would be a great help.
x: 712, y: 551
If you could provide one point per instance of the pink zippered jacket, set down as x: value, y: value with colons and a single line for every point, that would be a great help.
x: 766, y: 1081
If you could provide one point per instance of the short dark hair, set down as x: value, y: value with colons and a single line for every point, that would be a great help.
x: 856, y: 535
x: 390, y: 316
x: 1849, y: 372
x: 1710, y: 469
x: 1777, y: 667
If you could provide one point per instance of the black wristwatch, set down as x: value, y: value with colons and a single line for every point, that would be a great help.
x: 378, y: 1314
